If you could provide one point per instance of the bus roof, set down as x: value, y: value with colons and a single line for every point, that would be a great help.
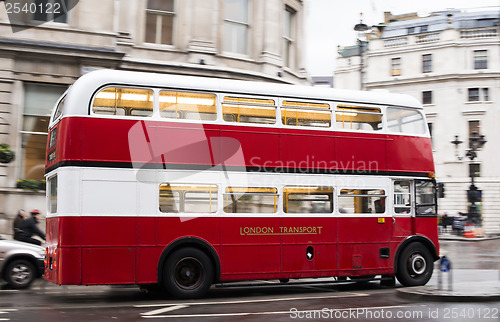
x: 87, y: 85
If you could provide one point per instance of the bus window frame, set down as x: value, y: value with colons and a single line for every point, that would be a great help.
x: 354, y: 105
x: 400, y: 131
x: 434, y: 193
x: 156, y: 107
x: 387, y: 212
x: 281, y: 107
x: 222, y: 101
x: 124, y: 117
x: 54, y: 117
x: 226, y: 193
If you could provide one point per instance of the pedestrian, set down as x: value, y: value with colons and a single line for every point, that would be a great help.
x: 18, y: 222
x: 29, y: 228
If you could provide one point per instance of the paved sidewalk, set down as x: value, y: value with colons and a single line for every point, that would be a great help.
x: 461, y: 238
x: 468, y: 285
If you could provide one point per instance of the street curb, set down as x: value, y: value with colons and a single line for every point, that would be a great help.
x: 431, y: 293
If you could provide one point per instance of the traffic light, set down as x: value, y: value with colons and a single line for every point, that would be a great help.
x: 440, y: 190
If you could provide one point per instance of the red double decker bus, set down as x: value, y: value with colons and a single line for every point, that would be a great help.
x: 189, y: 181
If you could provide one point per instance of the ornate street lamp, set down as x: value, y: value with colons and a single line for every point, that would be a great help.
x: 476, y: 142
x: 361, y: 28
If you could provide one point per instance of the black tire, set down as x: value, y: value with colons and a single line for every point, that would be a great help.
x: 415, y: 265
x: 19, y: 274
x: 188, y: 273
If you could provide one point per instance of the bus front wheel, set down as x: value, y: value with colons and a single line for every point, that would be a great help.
x: 415, y: 265
x: 188, y: 273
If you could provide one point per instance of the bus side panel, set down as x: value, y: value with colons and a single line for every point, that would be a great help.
x: 428, y: 227
x: 361, y: 152
x: 249, y: 147
x: 184, y: 144
x: 251, y: 248
x: 108, y: 140
x: 307, y: 149
x: 148, y: 252
x: 309, y: 247
x: 410, y: 154
x: 360, y: 240
x: 108, y: 249
x: 63, y: 241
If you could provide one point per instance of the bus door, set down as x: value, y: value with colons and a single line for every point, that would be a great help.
x: 308, y: 232
x: 402, y: 223
x: 364, y: 231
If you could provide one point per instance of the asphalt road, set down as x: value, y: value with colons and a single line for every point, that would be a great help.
x: 318, y: 300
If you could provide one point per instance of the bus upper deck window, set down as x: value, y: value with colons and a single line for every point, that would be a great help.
x: 400, y: 120
x: 124, y: 101
x: 59, y: 108
x: 189, y: 106
x: 358, y: 118
x: 306, y: 114
x: 249, y: 110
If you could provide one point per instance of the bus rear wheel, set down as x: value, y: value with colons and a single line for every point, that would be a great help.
x: 415, y: 265
x: 188, y: 273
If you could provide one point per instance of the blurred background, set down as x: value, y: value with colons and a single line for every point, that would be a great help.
x: 444, y: 53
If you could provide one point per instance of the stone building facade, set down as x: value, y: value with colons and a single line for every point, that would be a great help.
x: 450, y: 61
x: 42, y: 53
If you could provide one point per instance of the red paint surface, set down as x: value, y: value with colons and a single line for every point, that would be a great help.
x: 124, y: 141
x: 342, y: 246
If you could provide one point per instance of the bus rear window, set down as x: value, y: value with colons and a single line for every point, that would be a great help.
x: 188, y: 106
x: 123, y: 101
x: 358, y: 118
x: 400, y: 120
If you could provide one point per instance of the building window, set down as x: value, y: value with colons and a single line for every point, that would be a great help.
x: 474, y: 170
x: 486, y: 95
x: 51, y: 10
x: 38, y: 102
x: 473, y: 94
x: 478, y: 94
x: 236, y: 25
x: 427, y: 97
x: 474, y: 128
x: 396, y: 66
x: 480, y: 59
x: 160, y: 17
x: 289, y: 37
x: 426, y: 63
x: 424, y: 28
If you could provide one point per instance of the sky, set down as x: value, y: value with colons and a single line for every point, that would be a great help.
x: 329, y: 23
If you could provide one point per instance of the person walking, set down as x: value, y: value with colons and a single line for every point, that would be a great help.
x: 29, y: 228
x: 18, y: 222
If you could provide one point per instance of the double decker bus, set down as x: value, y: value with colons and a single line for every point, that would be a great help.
x: 186, y: 182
